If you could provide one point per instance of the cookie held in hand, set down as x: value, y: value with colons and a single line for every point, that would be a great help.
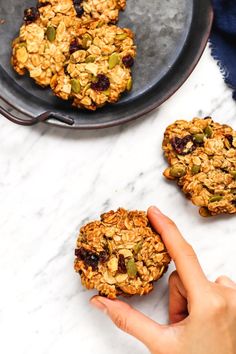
x: 120, y: 254
x: 202, y: 159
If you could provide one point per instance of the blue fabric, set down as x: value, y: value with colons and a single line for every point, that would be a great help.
x: 223, y: 39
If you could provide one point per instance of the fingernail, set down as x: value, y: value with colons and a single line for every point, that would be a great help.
x: 98, y: 303
x: 155, y: 210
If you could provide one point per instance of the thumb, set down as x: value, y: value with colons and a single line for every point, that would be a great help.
x: 131, y: 321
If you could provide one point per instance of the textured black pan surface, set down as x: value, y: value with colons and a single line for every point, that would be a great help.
x: 170, y: 37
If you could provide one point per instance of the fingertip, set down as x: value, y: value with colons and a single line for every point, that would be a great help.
x: 153, y: 210
x: 94, y: 299
x: 174, y: 276
x: 128, y: 319
x: 158, y: 220
x: 154, y: 215
x: 225, y: 281
x: 98, y: 303
x: 108, y: 304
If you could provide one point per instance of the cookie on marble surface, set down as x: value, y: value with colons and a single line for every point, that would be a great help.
x: 120, y: 254
x: 99, y: 69
x: 202, y: 159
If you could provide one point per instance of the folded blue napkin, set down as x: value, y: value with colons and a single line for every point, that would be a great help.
x: 223, y: 40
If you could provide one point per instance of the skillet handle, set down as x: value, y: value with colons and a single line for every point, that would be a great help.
x: 46, y: 116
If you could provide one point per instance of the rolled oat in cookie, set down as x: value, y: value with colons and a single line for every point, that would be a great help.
x: 120, y: 254
x: 99, y: 69
x: 202, y: 159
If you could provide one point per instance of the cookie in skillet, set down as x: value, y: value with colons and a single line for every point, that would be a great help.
x: 99, y: 69
x: 52, y: 12
x: 43, y: 44
x: 202, y: 159
x: 120, y: 254
x: 106, y: 11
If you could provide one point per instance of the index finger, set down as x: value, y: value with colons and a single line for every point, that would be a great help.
x: 183, y: 255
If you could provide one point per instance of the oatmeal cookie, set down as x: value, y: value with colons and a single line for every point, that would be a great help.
x: 44, y: 40
x: 53, y: 11
x: 99, y: 69
x: 120, y: 254
x: 41, y: 51
x: 106, y: 11
x: 202, y: 158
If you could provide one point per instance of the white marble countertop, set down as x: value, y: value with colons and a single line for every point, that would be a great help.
x: 52, y: 180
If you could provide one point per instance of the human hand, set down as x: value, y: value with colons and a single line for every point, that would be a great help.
x: 202, y: 314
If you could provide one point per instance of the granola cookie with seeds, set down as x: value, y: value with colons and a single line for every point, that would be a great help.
x: 41, y: 51
x: 120, y: 254
x: 99, y: 69
x: 44, y: 40
x: 53, y: 11
x: 106, y: 11
x: 202, y: 159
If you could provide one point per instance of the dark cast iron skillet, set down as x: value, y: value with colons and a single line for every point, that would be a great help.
x: 170, y: 36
